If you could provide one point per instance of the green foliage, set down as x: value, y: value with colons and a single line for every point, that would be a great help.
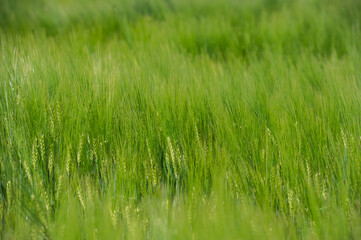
x: 175, y: 119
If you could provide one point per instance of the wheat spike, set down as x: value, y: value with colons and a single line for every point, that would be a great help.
x: 172, y: 155
x: 51, y: 164
x: 34, y: 154
x: 81, y: 199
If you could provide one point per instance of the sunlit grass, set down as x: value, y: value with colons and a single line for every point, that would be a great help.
x: 180, y: 119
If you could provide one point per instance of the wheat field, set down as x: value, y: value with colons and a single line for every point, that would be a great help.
x: 180, y: 119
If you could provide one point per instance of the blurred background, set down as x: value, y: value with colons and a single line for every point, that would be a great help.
x: 213, y: 26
